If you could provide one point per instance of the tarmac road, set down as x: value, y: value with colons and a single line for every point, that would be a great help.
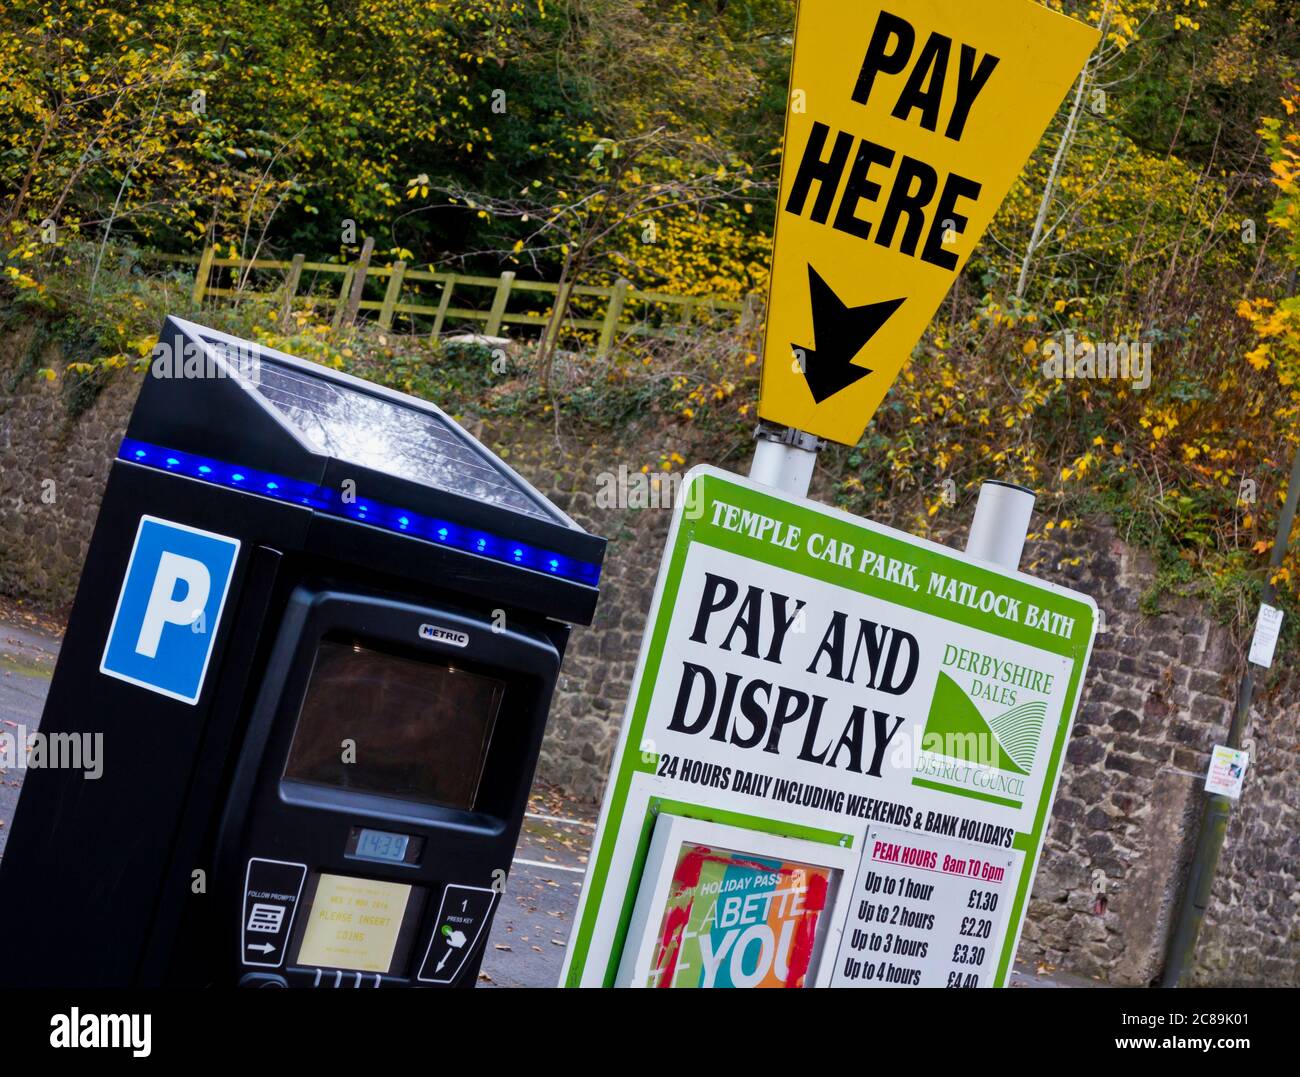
x: 531, y: 929
x: 26, y: 664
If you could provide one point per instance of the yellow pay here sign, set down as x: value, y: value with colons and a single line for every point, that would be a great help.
x: 908, y: 122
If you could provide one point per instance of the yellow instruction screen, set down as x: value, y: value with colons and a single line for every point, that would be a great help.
x: 353, y: 923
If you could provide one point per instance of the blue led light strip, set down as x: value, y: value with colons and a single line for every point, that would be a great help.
x: 375, y: 513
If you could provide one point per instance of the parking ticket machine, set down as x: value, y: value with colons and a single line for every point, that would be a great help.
x: 318, y: 631
x: 370, y: 766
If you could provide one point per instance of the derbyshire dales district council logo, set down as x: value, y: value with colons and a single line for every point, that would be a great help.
x: 984, y: 728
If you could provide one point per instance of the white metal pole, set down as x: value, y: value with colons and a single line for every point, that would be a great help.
x: 784, y: 458
x: 997, y: 534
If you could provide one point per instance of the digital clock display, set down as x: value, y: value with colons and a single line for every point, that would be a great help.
x: 381, y: 845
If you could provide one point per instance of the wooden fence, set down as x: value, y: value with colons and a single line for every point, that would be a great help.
x: 684, y: 312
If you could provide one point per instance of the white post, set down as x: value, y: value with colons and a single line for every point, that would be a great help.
x: 997, y: 534
x: 784, y: 458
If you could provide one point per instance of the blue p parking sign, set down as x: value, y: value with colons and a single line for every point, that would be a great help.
x: 169, y: 608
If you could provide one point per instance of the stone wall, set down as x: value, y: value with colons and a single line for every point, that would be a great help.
x: 601, y: 660
x: 1157, y: 697
x: 1252, y: 930
x: 54, y: 459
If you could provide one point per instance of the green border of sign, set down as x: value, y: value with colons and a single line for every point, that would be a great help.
x: 701, y: 487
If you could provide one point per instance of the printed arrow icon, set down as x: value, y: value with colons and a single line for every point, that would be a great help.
x: 839, y: 333
x: 265, y: 947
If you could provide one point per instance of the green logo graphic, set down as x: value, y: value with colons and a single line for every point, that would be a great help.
x: 956, y: 728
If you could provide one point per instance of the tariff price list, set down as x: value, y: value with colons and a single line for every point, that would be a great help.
x: 926, y: 912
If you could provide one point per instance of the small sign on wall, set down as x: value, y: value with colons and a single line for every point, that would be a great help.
x: 1227, y: 771
x: 1267, y: 629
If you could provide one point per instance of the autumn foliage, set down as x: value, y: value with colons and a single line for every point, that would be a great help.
x: 586, y: 140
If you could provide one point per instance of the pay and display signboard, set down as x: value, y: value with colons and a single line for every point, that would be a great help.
x: 809, y: 676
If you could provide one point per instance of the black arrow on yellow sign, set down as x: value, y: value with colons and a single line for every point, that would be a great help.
x: 839, y: 332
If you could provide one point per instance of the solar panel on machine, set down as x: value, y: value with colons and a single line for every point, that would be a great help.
x: 371, y: 431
